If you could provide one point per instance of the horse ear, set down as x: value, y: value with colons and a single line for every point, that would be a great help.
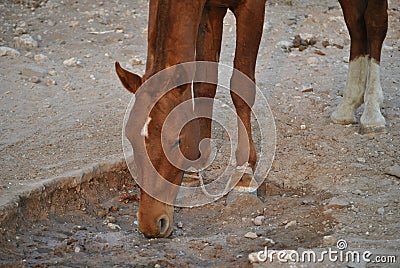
x: 129, y: 80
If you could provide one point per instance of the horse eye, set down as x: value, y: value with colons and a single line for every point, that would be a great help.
x: 177, y: 143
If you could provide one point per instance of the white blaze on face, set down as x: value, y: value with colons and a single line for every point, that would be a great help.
x: 145, y: 130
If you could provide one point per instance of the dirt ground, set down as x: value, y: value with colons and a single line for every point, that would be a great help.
x: 62, y: 109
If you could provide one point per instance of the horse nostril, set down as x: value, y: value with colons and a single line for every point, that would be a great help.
x: 163, y: 223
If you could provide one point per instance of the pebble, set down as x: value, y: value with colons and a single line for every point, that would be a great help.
x: 381, y: 211
x: 34, y: 71
x: 34, y: 79
x: 337, y: 202
x: 253, y: 257
x: 29, y: 55
x: 8, y: 51
x: 19, y: 31
x: 361, y: 159
x: 73, y: 24
x: 290, y: 224
x: 74, y: 61
x: 51, y: 23
x: 77, y: 249
x: 307, y: 89
x: 136, y: 61
x: 79, y: 228
x: 111, y: 219
x: 303, y: 127
x: 40, y: 57
x: 113, y: 226
x: 258, y: 220
x: 25, y: 41
x: 251, y: 235
x: 52, y: 73
x: 68, y: 87
x: 180, y: 225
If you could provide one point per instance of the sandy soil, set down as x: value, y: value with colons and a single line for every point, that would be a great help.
x: 59, y: 115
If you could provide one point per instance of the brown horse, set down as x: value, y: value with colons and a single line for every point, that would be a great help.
x: 367, y: 21
x: 184, y: 31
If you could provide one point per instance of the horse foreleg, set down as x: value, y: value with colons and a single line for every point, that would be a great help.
x: 376, y: 19
x: 353, y: 94
x: 249, y: 19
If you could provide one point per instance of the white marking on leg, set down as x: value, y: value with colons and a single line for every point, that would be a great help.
x: 145, y: 130
x: 353, y: 94
x: 372, y: 116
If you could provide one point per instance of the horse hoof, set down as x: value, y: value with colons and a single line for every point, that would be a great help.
x: 343, y: 121
x: 371, y: 130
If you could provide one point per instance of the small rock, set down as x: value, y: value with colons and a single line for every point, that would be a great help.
x: 73, y: 24
x: 346, y: 59
x: 51, y: 23
x: 307, y: 89
x: 136, y: 61
x: 20, y: 31
x: 77, y: 249
x: 312, y: 60
x: 381, y: 211
x: 79, y: 228
x: 325, y: 43
x: 25, y: 41
x: 337, y: 202
x: 253, y: 257
x: 52, y: 73
x: 40, y: 57
x: 338, y: 46
x: 393, y: 171
x: 290, y: 224
x: 34, y: 71
x: 319, y: 52
x: 34, y: 79
x: 8, y: 51
x: 74, y: 61
x: 303, y: 127
x: 268, y: 242
x: 251, y: 235
x: 329, y: 240
x: 312, y: 41
x: 361, y: 159
x: 358, y: 192
x: 157, y: 265
x: 258, y: 220
x: 180, y: 225
x: 113, y: 226
x: 68, y: 87
x: 111, y: 219
x: 29, y: 55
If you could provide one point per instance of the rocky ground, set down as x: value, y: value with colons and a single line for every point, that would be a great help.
x: 62, y: 108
